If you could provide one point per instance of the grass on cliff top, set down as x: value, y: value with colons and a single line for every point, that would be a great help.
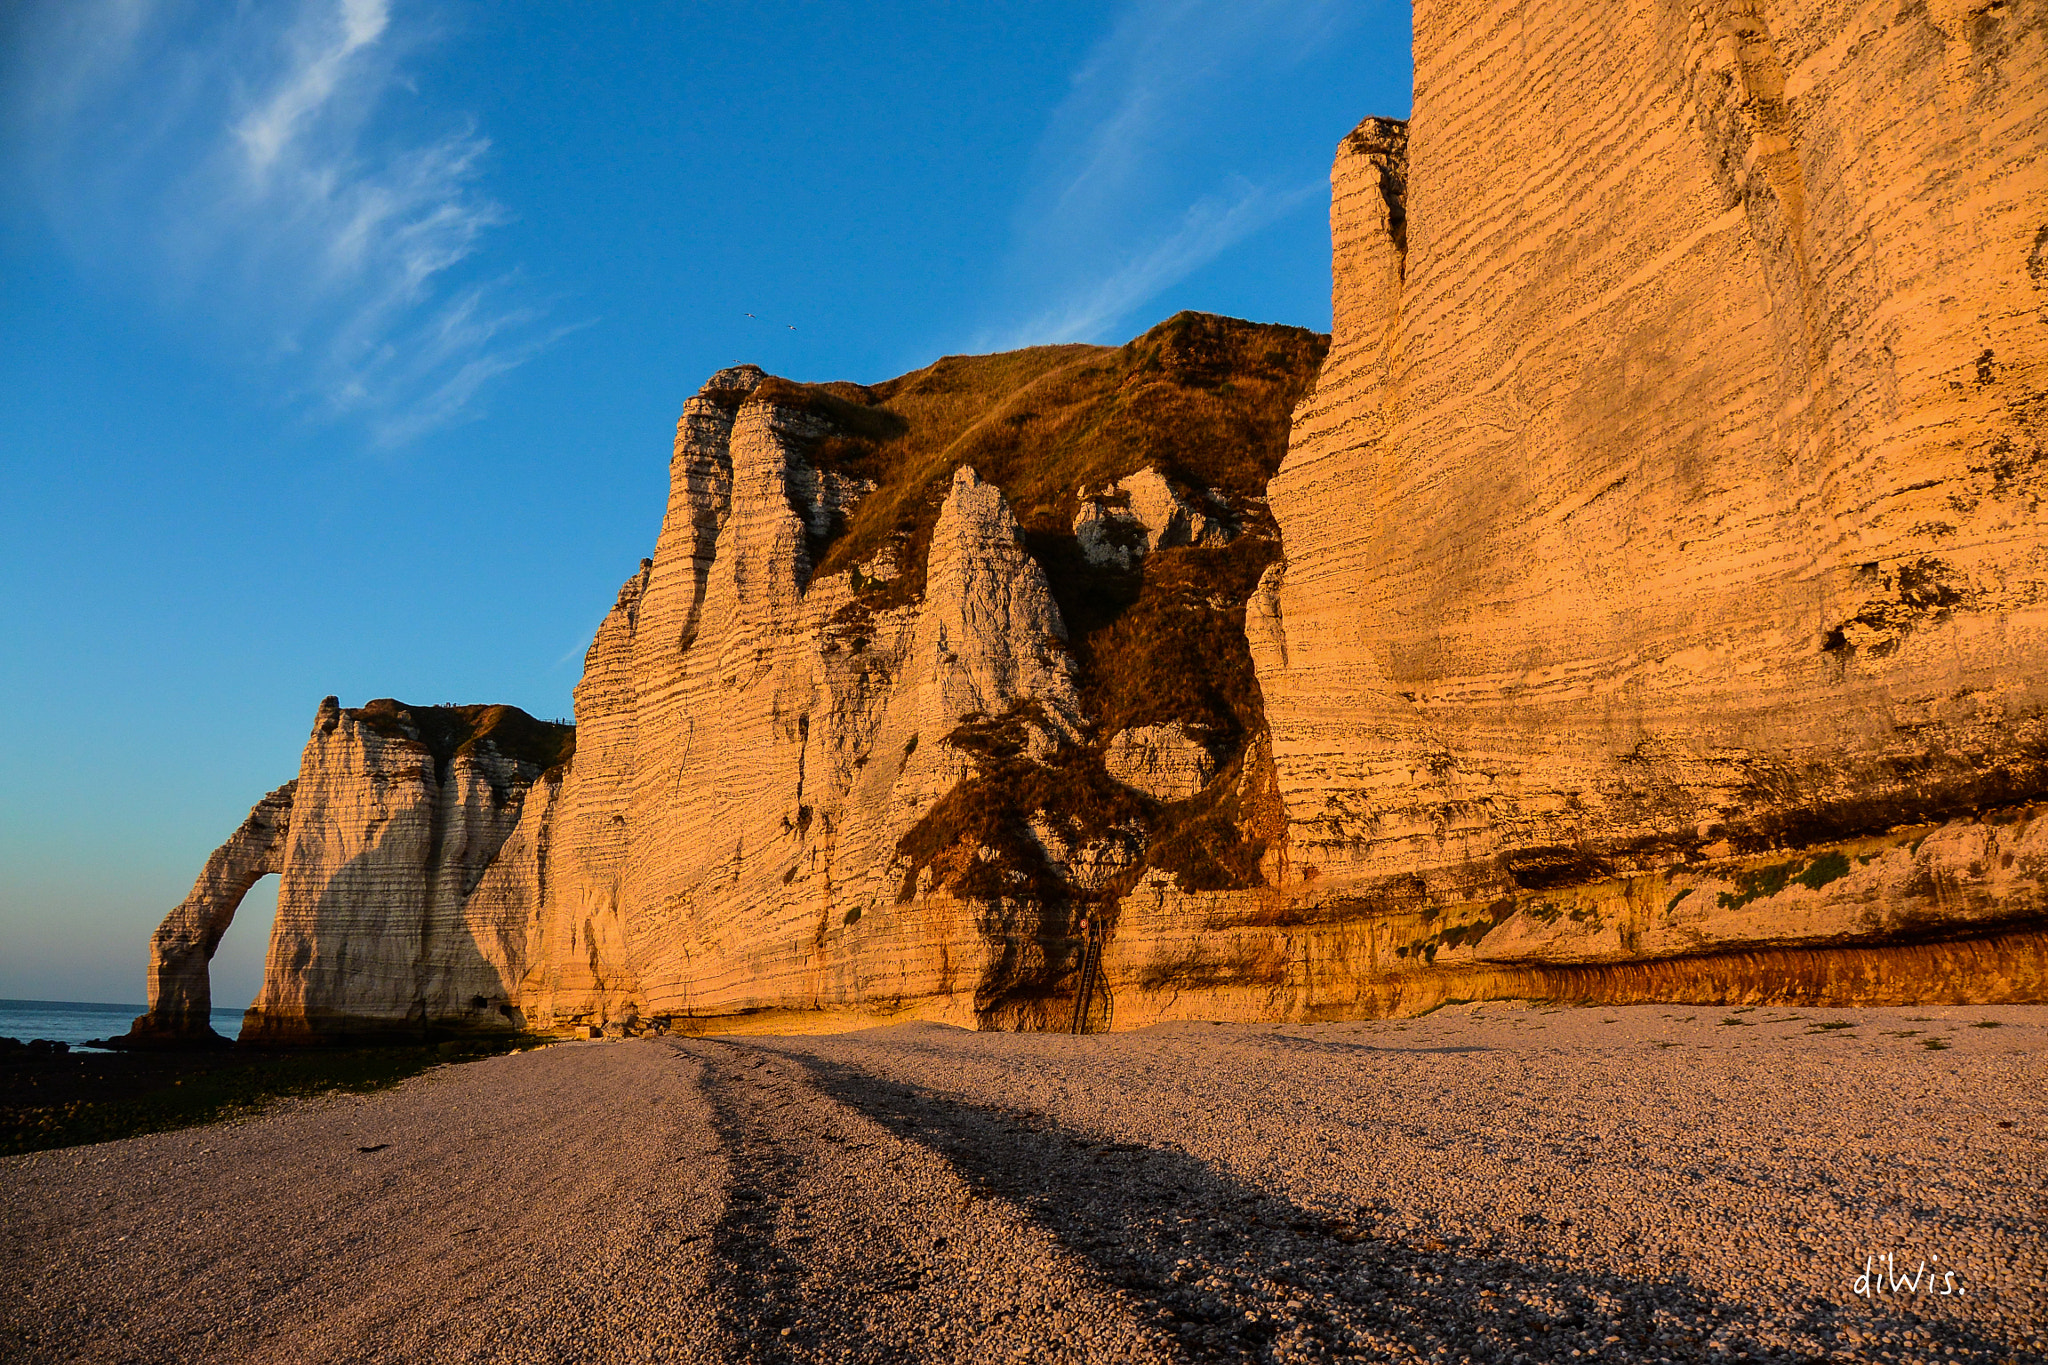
x: 1206, y: 399
x: 448, y: 731
x: 78, y: 1097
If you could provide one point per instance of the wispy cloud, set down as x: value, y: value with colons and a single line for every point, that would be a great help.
x: 1208, y: 228
x: 1125, y: 198
x: 269, y: 174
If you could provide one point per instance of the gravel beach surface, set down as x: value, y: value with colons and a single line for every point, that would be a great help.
x: 1501, y: 1182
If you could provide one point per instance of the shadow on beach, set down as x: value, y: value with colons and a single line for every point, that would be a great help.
x: 1231, y: 1271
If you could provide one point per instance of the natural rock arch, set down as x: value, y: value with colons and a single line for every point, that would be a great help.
x: 180, y: 988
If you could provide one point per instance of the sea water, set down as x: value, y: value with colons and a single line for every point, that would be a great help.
x: 75, y: 1021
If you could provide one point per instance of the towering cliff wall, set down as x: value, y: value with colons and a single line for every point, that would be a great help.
x: 1652, y: 603
x: 1673, y: 488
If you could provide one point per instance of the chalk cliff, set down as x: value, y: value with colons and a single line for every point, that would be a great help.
x: 180, y: 989
x: 403, y: 899
x: 845, y: 740
x: 1647, y: 598
x: 1672, y: 490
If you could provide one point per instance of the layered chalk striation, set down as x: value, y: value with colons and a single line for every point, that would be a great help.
x: 1642, y: 594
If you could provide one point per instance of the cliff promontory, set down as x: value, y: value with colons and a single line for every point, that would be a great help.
x: 1642, y: 594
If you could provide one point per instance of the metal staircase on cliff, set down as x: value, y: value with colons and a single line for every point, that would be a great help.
x: 1091, y: 967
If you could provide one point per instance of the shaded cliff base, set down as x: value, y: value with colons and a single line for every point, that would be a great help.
x: 1949, y: 913
x: 1996, y: 969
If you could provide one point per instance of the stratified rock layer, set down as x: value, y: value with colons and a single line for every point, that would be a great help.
x: 1652, y: 603
x: 1672, y: 490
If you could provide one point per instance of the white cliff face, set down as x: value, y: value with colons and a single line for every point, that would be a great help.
x: 1654, y: 504
x: 1141, y: 513
x: 401, y: 824
x: 1163, y: 761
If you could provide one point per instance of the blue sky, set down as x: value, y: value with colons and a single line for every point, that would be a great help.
x: 344, y: 340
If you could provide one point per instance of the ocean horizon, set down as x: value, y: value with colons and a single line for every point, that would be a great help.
x: 77, y: 1022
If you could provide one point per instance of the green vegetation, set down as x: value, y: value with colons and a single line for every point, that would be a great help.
x: 67, y: 1099
x: 1829, y: 1025
x: 1762, y: 883
x: 1934, y: 1044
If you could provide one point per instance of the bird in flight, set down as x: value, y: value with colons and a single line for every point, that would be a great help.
x: 750, y: 315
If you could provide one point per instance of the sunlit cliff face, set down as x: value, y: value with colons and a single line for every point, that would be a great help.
x: 1641, y: 599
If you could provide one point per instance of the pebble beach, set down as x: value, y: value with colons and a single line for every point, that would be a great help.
x: 1501, y: 1182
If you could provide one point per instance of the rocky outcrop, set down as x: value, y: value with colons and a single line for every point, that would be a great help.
x: 1129, y: 519
x: 410, y: 850
x: 180, y: 990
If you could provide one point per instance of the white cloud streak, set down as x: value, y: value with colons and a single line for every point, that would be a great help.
x: 1208, y: 229
x: 1117, y: 212
x: 262, y: 171
x: 309, y: 80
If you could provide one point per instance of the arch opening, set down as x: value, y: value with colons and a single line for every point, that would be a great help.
x: 182, y: 949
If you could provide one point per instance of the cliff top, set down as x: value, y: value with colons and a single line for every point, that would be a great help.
x: 1205, y: 399
x: 448, y: 731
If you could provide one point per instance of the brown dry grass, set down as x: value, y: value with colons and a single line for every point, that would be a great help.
x: 1205, y: 399
x: 447, y: 731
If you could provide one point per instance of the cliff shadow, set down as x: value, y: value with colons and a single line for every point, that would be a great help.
x: 1226, y: 1270
x: 405, y: 972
